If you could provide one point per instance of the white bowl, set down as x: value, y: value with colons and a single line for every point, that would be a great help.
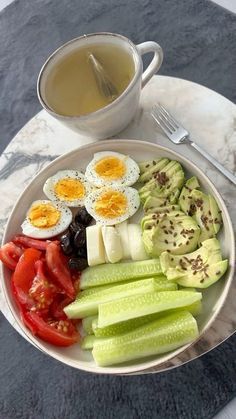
x: 214, y: 297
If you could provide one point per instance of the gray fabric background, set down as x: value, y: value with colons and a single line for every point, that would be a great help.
x: 199, y: 42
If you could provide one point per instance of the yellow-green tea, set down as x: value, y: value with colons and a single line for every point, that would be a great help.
x: 71, y: 87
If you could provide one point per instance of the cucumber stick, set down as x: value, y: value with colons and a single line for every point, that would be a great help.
x: 160, y: 336
x: 109, y: 273
x: 87, y: 305
x: 129, y: 325
x: 87, y: 324
x: 87, y: 342
x: 140, y: 305
x: 162, y: 284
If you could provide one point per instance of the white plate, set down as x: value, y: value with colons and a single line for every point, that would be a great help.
x: 214, y: 297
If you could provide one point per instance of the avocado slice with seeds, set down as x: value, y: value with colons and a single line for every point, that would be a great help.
x: 203, y: 208
x: 174, y: 232
x: 148, y: 164
x: 215, y: 213
x: 157, y: 166
x: 185, y: 199
x: 171, y: 198
x: 199, y: 269
x: 164, y: 182
x: 152, y: 217
x: 162, y: 209
x: 206, y: 214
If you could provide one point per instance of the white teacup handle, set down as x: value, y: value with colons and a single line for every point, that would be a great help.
x: 156, y: 62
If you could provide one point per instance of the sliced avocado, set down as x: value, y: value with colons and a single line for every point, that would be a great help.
x: 146, y: 165
x: 144, y: 195
x: 162, y: 215
x: 164, y: 183
x: 174, y: 196
x: 148, y: 222
x: 200, y: 268
x: 215, y: 213
x: 153, y: 202
x: 175, y: 232
x: 203, y: 208
x: 147, y: 240
x: 203, y: 214
x: 162, y: 201
x: 152, y: 218
x: 163, y: 209
x: 185, y: 199
x: 153, y: 169
x: 212, y: 274
x: 162, y: 179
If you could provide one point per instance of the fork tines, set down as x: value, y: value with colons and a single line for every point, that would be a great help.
x: 164, y: 119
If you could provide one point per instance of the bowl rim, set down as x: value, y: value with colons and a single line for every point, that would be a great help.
x: 142, y: 365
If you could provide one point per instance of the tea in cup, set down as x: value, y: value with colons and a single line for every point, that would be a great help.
x: 69, y: 89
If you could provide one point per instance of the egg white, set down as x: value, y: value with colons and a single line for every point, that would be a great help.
x: 49, y: 187
x: 45, y: 233
x: 129, y: 178
x: 133, y: 203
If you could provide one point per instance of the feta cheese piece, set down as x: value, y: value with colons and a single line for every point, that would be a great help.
x: 136, y: 242
x: 95, y: 246
x: 122, y: 229
x: 112, y: 244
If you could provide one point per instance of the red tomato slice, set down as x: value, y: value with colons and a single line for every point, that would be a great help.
x: 27, y: 321
x: 58, y: 269
x: 57, y: 306
x: 42, y: 289
x: 25, y: 270
x: 26, y: 241
x: 10, y: 254
x: 59, y: 333
x: 29, y: 242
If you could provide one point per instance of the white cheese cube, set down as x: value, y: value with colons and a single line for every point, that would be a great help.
x: 136, y: 242
x: 112, y: 244
x: 95, y: 247
x: 122, y: 229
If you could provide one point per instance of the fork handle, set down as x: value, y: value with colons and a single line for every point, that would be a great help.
x: 215, y: 163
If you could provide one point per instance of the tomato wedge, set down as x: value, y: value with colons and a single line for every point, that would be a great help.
x: 59, y: 333
x: 25, y: 270
x: 42, y: 289
x: 10, y: 254
x: 26, y: 241
x: 59, y: 303
x: 58, y: 269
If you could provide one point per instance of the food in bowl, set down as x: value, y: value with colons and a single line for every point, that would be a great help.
x: 137, y: 281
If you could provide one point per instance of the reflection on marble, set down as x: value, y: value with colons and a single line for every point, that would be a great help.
x: 209, y: 117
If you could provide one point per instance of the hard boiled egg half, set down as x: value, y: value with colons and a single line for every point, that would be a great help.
x: 68, y: 186
x: 109, y: 168
x: 46, y: 219
x: 112, y: 205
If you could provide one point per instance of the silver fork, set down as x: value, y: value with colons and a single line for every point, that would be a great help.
x: 179, y: 135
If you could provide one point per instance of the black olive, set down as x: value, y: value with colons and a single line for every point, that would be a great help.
x: 83, y: 216
x: 74, y: 227
x: 66, y: 245
x: 80, y: 238
x: 78, y: 264
x: 81, y: 252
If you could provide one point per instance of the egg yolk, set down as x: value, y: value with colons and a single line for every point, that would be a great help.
x: 111, y: 204
x: 69, y: 189
x: 44, y: 216
x: 110, y: 168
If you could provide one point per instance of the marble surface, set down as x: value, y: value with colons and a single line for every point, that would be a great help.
x: 211, y: 120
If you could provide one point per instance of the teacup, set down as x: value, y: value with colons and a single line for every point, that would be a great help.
x: 115, y: 116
